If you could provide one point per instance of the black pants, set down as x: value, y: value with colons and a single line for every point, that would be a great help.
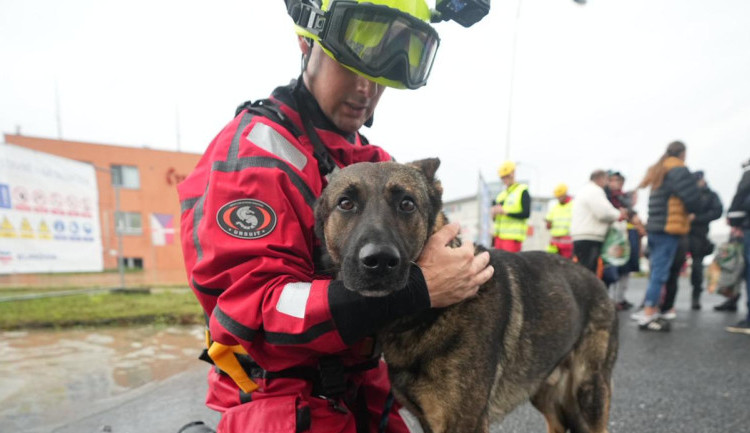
x: 588, y: 253
x: 699, y: 247
x: 674, y: 275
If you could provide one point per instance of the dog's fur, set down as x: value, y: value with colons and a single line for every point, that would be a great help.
x: 542, y: 328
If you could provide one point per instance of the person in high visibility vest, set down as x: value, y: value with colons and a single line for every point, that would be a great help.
x: 510, y: 210
x: 558, y: 223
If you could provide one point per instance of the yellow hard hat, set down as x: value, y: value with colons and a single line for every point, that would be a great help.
x: 506, y: 168
x: 560, y: 190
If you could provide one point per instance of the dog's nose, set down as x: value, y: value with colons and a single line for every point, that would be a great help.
x: 379, y: 258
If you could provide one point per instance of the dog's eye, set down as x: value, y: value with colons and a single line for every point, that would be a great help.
x: 407, y: 205
x: 346, y: 204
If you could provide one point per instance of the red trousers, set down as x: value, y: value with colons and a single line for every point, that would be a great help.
x: 507, y: 245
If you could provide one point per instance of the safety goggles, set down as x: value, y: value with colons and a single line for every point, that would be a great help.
x: 376, y: 41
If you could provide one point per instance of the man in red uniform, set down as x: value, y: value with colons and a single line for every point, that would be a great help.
x: 293, y: 350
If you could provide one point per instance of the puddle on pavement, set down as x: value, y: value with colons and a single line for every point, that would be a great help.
x: 47, y: 375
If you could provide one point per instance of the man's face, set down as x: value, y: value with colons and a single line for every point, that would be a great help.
x: 347, y: 99
x: 508, y: 179
x: 615, y: 183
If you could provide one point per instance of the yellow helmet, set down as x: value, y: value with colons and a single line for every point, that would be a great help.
x: 506, y: 168
x: 389, y: 42
x: 560, y: 190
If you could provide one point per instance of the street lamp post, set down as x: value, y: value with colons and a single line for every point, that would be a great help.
x: 512, y: 79
x: 118, y: 231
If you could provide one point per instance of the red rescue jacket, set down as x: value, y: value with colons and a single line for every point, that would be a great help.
x: 248, y: 243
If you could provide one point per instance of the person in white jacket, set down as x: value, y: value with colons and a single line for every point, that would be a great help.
x: 592, y: 215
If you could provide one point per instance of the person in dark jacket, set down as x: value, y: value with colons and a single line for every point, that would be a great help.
x: 709, y: 209
x: 739, y: 219
x: 697, y: 244
x: 671, y: 205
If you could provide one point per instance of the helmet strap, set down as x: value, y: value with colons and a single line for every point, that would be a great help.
x: 320, y: 151
x: 306, y: 57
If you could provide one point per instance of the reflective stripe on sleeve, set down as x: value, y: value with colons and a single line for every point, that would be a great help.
x: 293, y: 299
x: 270, y: 140
x: 197, y: 216
x: 234, y: 148
x: 188, y: 204
x: 267, y: 162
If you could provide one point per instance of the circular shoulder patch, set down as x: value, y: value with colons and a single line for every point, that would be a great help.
x: 246, y: 219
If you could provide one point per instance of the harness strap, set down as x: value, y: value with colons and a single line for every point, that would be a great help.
x: 328, y: 378
x: 320, y: 151
x: 267, y: 108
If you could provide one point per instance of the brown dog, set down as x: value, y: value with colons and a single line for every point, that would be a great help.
x: 542, y: 328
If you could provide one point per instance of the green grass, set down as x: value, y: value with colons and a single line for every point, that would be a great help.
x: 103, y: 308
x: 23, y: 290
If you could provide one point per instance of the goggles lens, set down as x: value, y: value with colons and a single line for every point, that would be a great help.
x: 380, y: 42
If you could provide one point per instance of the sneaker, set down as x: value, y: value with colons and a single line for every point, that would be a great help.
x: 728, y: 305
x: 742, y: 327
x: 657, y: 325
x: 623, y: 306
x: 696, y: 305
x: 640, y: 316
x: 669, y: 315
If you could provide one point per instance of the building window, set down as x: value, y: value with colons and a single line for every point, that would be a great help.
x: 128, y: 223
x: 132, y: 262
x: 126, y: 176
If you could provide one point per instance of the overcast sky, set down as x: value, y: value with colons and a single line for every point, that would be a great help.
x: 605, y: 85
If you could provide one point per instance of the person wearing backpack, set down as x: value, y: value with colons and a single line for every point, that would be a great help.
x: 671, y: 205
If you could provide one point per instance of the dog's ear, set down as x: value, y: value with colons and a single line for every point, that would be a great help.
x: 427, y: 166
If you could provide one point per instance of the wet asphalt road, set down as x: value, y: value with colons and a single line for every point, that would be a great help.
x: 695, y: 379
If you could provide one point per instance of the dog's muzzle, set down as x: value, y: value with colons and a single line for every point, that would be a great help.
x: 379, y: 259
x: 375, y: 269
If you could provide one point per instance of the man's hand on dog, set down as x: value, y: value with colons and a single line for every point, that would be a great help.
x: 452, y: 274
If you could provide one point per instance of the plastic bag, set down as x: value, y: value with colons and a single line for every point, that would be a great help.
x: 616, y: 246
x: 725, y: 274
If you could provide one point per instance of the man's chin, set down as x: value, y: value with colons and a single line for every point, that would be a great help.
x: 349, y: 124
